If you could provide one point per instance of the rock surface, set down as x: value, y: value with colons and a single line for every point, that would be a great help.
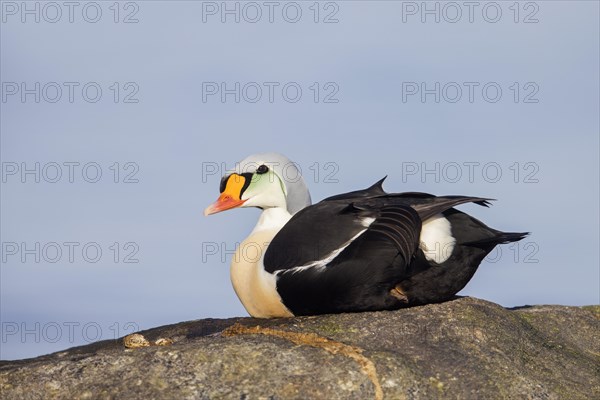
x: 463, y: 349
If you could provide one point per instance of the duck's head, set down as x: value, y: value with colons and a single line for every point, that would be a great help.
x: 266, y: 180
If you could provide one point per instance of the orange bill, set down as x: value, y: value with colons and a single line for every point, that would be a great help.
x: 230, y: 197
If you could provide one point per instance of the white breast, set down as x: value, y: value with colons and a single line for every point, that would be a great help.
x: 256, y: 288
x: 436, y: 239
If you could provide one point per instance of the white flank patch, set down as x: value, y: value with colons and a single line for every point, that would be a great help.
x: 436, y: 239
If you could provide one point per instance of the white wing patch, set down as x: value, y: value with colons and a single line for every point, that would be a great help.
x: 366, y: 222
x: 436, y: 239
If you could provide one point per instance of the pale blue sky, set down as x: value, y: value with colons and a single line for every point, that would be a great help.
x: 547, y: 151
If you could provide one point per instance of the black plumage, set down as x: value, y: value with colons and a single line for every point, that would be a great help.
x: 383, y: 267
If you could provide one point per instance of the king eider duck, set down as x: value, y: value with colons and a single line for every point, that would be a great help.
x: 365, y: 250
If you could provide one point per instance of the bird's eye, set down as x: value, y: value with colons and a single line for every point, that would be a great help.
x: 263, y: 169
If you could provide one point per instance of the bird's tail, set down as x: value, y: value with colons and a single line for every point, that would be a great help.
x: 499, y: 238
x: 507, y: 237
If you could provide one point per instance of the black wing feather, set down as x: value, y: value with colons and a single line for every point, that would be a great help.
x: 313, y: 233
x: 374, y: 190
x: 362, y: 275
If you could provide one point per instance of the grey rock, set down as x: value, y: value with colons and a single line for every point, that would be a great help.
x: 462, y: 349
